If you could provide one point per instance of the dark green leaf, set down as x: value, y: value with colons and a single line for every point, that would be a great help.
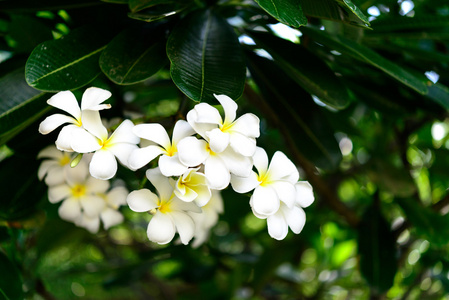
x: 10, y: 280
x: 377, y: 250
x: 288, y: 12
x: 206, y: 57
x: 20, y: 105
x: 305, y: 68
x: 296, y: 109
x: 398, y: 23
x: 136, y: 5
x: 369, y: 56
x: 67, y: 63
x: 134, y: 55
x: 28, y: 32
x: 32, y: 6
x: 158, y: 12
x: 440, y: 94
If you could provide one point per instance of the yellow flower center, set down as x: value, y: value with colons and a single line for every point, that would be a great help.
x: 226, y: 127
x: 165, y: 208
x: 64, y: 160
x: 171, y: 150
x: 105, y: 144
x: 264, y: 179
x: 78, y: 190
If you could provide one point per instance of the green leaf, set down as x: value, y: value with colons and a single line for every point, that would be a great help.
x: 136, y: 5
x: 304, y: 68
x: 288, y: 12
x: 20, y: 105
x: 32, y: 5
x: 206, y: 57
x: 28, y: 32
x: 377, y: 250
x: 440, y: 94
x: 336, y: 10
x: 67, y: 63
x: 10, y: 280
x: 157, y: 12
x: 419, y: 22
x: 369, y: 56
x: 311, y: 131
x: 134, y: 55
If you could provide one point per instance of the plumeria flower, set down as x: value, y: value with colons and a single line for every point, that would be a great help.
x: 53, y: 168
x: 240, y: 134
x: 169, y: 163
x: 192, y: 186
x: 118, y: 145
x: 91, y: 104
x: 170, y: 214
x: 207, y: 219
x: 79, y: 194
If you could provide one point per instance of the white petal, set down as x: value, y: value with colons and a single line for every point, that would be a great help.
x: 124, y: 134
x: 295, y: 218
x: 216, y: 173
x: 192, y: 151
x: 91, y: 224
x: 66, y: 101
x: 182, y: 129
x: 277, y: 226
x: 248, y: 125
x: 44, y: 167
x: 83, y: 142
x: 285, y: 191
x: 260, y: 160
x: 97, y: 186
x: 171, y: 166
x: 265, y: 201
x: 204, y: 195
x: 54, y: 121
x: 142, y: 156
x: 179, y: 205
x: 200, y: 128
x: 93, y: 97
x: 77, y: 175
x: 92, y: 205
x: 229, y: 107
x: 117, y: 196
x: 55, y: 176
x: 237, y: 164
x: 184, y: 225
x: 92, y: 122
x: 218, y: 140
x: 64, y: 140
x: 70, y: 209
x: 58, y: 192
x: 103, y: 165
x: 244, y: 184
x: 282, y: 168
x: 207, y: 114
x: 110, y: 217
x: 153, y: 132
x: 216, y: 201
x: 160, y: 182
x: 142, y: 200
x: 50, y: 152
x: 304, y: 193
x: 161, y: 229
x: 243, y: 145
x: 122, y: 151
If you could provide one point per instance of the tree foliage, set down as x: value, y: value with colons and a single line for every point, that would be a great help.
x: 355, y: 92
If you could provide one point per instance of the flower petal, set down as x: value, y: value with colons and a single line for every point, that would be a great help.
x: 142, y: 200
x: 304, y: 193
x: 92, y: 205
x: 203, y: 195
x: 260, y: 160
x: 161, y: 229
x: 277, y: 226
x: 218, y: 140
x: 54, y: 121
x: 91, y: 121
x: 44, y: 167
x: 285, y: 191
x: 265, y: 201
x: 97, y: 186
x: 70, y: 209
x: 200, y: 128
x: 92, y: 224
x: 103, y: 165
x: 124, y: 134
x: 93, y: 97
x: 58, y: 192
x: 282, y: 168
x: 154, y: 132
x: 184, y: 225
x: 192, y: 151
x: 207, y: 114
x: 122, y: 151
x: 182, y: 129
x: 244, y: 184
x: 229, y: 107
x: 117, y: 197
x: 142, y: 156
x: 216, y: 173
x: 237, y: 164
x: 50, y: 152
x: 243, y: 145
x: 55, y: 176
x: 67, y: 102
x: 171, y: 166
x: 248, y: 125
x: 82, y: 141
x: 295, y: 218
x: 110, y: 217
x: 78, y: 174
x: 161, y: 183
x: 64, y: 140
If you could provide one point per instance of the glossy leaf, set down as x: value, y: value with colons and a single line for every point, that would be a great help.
x: 20, y: 105
x: 305, y: 69
x: 28, y: 32
x: 377, y: 250
x: 10, y: 279
x: 67, y: 63
x: 288, y: 12
x: 136, y: 5
x: 158, y: 12
x: 296, y: 109
x: 134, y: 55
x: 365, y: 54
x: 206, y: 58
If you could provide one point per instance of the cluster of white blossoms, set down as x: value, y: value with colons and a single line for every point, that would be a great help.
x: 205, y: 154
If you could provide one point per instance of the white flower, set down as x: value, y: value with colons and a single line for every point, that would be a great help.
x: 79, y: 194
x: 169, y: 163
x: 95, y: 138
x: 170, y: 214
x: 80, y: 117
x: 192, y: 186
x: 54, y: 166
x: 240, y: 134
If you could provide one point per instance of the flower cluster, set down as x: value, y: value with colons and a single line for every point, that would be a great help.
x: 205, y: 154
